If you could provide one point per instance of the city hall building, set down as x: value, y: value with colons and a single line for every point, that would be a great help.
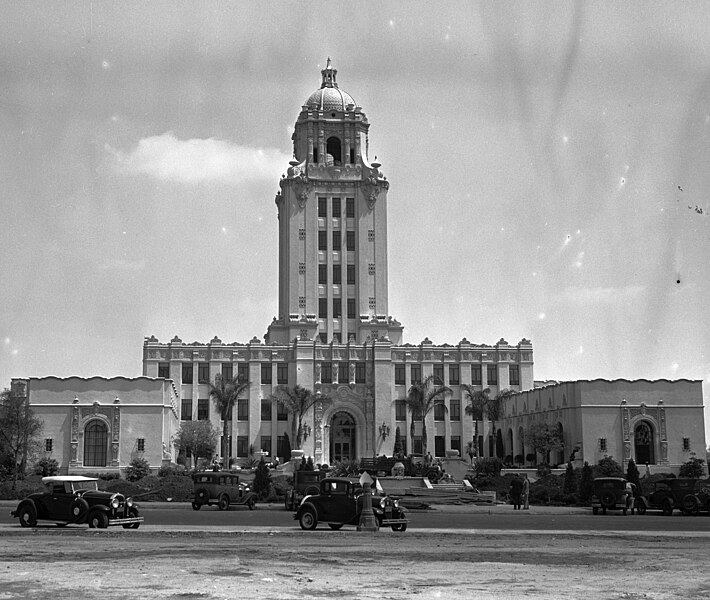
x: 333, y: 334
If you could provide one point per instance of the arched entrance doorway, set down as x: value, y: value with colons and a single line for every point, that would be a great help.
x: 95, y: 444
x: 342, y: 437
x: 643, y: 444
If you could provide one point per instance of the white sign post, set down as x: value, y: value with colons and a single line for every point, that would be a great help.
x: 367, y: 517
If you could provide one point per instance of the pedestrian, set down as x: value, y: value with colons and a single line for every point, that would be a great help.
x: 526, y: 492
x: 516, y: 489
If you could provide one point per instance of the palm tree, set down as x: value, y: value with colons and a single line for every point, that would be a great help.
x: 298, y: 401
x: 225, y: 392
x: 478, y: 406
x: 421, y: 399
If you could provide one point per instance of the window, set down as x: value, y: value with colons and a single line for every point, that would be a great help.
x: 476, y: 377
x: 400, y: 374
x: 323, y: 338
x: 336, y: 207
x: 439, y: 374
x: 187, y: 372
x: 265, y: 373
x: 242, y: 409
x: 416, y: 374
x: 95, y: 444
x: 351, y: 308
x: 337, y: 274
x: 602, y: 444
x: 492, y: 374
x: 351, y: 274
x: 282, y: 373
x: 417, y: 444
x: 343, y: 372
x: 243, y: 372
x: 266, y: 443
x: 281, y: 412
x: 455, y: 409
x: 350, y: 241
x: 350, y: 206
x: 359, y: 372
x: 48, y: 443
x: 686, y: 444
x: 439, y: 445
x: 322, y: 207
x: 514, y: 375
x: 326, y: 372
x: 265, y: 409
x: 400, y: 410
x: 322, y: 274
x: 203, y: 409
x: 323, y: 308
x: 337, y: 240
x: 456, y: 443
x: 322, y: 240
x: 439, y: 412
x: 203, y: 372
x: 227, y: 371
x: 186, y: 409
x: 164, y: 370
x: 454, y: 375
x: 242, y: 445
x: 337, y: 308
x: 281, y: 447
x: 140, y: 444
x: 336, y: 338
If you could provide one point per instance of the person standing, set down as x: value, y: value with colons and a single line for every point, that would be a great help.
x: 516, y: 489
x: 526, y: 492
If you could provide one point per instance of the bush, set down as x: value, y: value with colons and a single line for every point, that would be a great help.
x: 530, y: 457
x: 172, y: 470
x: 570, y: 485
x: 262, y: 480
x: 547, y: 490
x: 519, y: 460
x: 487, y: 466
x: 345, y: 468
x: 608, y: 467
x: 586, y: 484
x: 46, y: 467
x: 137, y: 469
x: 543, y: 470
x: 692, y: 468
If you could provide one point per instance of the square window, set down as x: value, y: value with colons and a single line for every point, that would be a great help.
x: 187, y: 372
x: 243, y: 372
x: 322, y: 274
x: 400, y: 410
x: 336, y: 207
x: 242, y: 409
x: 48, y: 443
x: 514, y: 371
x: 454, y: 375
x: 322, y: 240
x: 350, y: 207
x: 439, y: 412
x: 337, y: 274
x: 203, y: 409
x: 203, y: 372
x: 186, y: 409
x: 322, y: 207
x: 476, y: 375
x: 492, y: 374
x: 227, y: 371
x: 351, y: 274
x: 140, y: 444
x: 164, y: 370
x: 265, y: 373
x: 439, y: 374
x: 350, y: 241
x: 282, y: 373
x: 337, y: 240
x: 265, y: 409
x: 455, y: 410
x: 322, y: 308
x: 416, y: 374
x: 400, y: 374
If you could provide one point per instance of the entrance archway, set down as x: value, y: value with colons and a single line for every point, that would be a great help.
x: 342, y: 437
x: 643, y: 444
x: 95, y: 444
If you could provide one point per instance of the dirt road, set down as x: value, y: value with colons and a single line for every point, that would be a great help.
x: 187, y: 565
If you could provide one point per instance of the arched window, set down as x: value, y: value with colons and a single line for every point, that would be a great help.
x: 643, y: 444
x: 95, y: 444
x: 333, y: 150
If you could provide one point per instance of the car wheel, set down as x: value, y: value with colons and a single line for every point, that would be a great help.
x: 79, y: 509
x: 223, y: 503
x: 608, y: 499
x: 27, y: 516
x: 691, y: 505
x: 399, y: 527
x: 98, y: 520
x: 667, y: 507
x: 308, y: 519
x: 132, y: 513
x: 202, y: 495
x: 335, y: 526
x: 251, y: 503
x: 641, y: 508
x: 196, y: 506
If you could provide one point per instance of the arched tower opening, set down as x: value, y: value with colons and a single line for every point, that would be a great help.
x: 333, y: 150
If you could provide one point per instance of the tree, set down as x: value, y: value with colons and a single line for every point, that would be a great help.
x: 287, y: 448
x: 225, y: 392
x: 137, y: 469
x: 421, y: 400
x: 544, y: 439
x: 569, y: 486
x: 397, y: 449
x: 298, y: 401
x: 608, y: 467
x: 262, y: 480
x: 471, y: 450
x: 692, y: 468
x: 196, y: 438
x: 632, y: 475
x: 477, y: 407
x: 586, y: 484
x: 19, y: 429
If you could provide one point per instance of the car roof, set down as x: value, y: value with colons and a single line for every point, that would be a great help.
x: 63, y: 478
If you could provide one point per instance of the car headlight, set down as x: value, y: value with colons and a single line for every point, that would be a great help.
x: 115, y: 502
x: 383, y: 502
x: 395, y: 503
x: 129, y: 502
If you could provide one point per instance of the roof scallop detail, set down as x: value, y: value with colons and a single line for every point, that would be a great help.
x: 329, y: 96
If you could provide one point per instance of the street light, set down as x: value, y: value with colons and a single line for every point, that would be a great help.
x: 384, y: 430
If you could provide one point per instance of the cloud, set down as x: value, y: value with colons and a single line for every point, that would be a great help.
x: 167, y: 158
x: 599, y: 295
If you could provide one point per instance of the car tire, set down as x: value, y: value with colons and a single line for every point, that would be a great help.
x: 79, y: 509
x: 667, y: 507
x: 308, y: 519
x: 27, y: 516
x: 335, y: 526
x: 691, y: 505
x: 608, y: 499
x: 196, y: 506
x: 132, y: 512
x: 202, y: 495
x: 399, y: 527
x: 223, y: 502
x: 641, y: 508
x: 98, y: 520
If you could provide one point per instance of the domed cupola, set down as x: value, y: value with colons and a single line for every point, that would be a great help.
x: 329, y: 96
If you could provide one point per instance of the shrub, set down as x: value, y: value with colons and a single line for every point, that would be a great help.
x: 262, y: 480
x: 519, y: 460
x: 608, y: 467
x: 137, y: 469
x: 46, y: 467
x: 487, y: 466
x: 530, y: 457
x: 586, y: 484
x: 543, y: 470
x: 172, y: 470
x: 345, y: 468
x: 570, y: 484
x: 692, y: 468
x: 547, y: 490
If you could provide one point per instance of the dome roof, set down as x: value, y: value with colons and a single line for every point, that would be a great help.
x: 329, y: 96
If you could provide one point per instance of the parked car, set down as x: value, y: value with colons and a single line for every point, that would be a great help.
x: 339, y: 502
x: 75, y: 499
x: 305, y: 483
x: 681, y: 493
x: 221, y: 488
x: 611, y: 493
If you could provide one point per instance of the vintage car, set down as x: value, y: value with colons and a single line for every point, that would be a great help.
x: 688, y: 495
x: 305, y: 483
x: 75, y: 499
x: 221, y: 488
x: 339, y: 502
x: 611, y: 493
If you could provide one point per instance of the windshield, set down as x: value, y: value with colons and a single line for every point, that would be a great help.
x: 84, y: 485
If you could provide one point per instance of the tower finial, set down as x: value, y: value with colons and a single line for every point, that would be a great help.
x: 329, y: 74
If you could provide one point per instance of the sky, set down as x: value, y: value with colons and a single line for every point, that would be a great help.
x: 548, y: 164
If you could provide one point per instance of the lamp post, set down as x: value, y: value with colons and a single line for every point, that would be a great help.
x: 367, y: 517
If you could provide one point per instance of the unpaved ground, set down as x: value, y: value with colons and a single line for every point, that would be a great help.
x: 81, y: 563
